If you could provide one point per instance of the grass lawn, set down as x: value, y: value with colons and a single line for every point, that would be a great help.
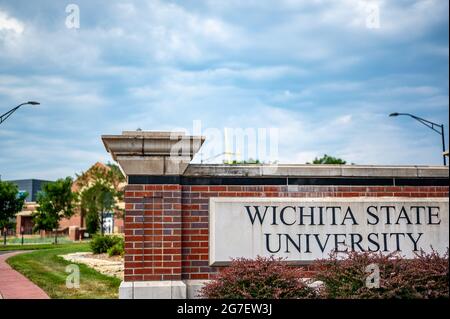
x: 30, y: 247
x: 47, y: 270
x: 36, y: 239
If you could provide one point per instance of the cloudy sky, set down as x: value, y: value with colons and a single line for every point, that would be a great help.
x: 326, y: 74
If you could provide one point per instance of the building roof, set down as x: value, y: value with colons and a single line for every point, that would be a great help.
x: 88, y: 176
x: 31, y: 186
x: 28, y: 209
x: 78, y: 183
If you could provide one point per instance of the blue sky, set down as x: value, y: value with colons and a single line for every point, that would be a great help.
x: 316, y: 70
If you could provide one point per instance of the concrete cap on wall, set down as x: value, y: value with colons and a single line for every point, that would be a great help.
x: 313, y: 170
x: 153, y: 152
x: 170, y: 153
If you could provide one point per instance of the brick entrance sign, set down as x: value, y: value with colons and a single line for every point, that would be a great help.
x: 184, y: 221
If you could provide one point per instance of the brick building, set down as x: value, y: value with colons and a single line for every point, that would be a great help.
x: 67, y: 226
x: 86, y: 179
x: 170, y: 237
x: 32, y: 188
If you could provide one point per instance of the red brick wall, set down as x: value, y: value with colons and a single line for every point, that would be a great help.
x: 166, y: 226
x: 118, y: 223
x: 152, y: 232
x: 74, y: 220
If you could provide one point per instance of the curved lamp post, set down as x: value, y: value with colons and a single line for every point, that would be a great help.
x: 3, y: 117
x: 438, y: 128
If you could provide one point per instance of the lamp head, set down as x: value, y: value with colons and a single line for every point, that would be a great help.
x: 394, y: 114
x: 33, y: 103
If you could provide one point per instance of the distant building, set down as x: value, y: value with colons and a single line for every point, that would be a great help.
x: 113, y: 221
x: 31, y: 186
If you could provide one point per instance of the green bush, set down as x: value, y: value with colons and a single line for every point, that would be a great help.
x: 100, y: 244
x: 117, y: 249
x: 262, y: 278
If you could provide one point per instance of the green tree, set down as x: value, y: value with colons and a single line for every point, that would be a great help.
x: 92, y: 221
x: 249, y: 161
x: 11, y: 202
x: 326, y: 159
x: 99, y: 192
x: 116, y: 175
x: 96, y: 201
x: 109, y: 174
x: 56, y: 201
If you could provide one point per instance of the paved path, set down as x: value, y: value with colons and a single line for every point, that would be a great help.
x: 14, y: 285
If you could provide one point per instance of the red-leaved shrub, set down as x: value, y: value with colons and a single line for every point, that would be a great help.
x: 425, y: 276
x: 262, y: 278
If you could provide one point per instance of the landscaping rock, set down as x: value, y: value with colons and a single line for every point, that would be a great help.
x: 110, y: 266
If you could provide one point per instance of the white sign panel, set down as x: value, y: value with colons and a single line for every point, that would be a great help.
x: 305, y: 229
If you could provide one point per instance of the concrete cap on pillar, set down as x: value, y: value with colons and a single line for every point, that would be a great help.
x: 153, y: 152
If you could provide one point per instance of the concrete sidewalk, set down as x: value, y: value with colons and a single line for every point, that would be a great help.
x: 14, y: 285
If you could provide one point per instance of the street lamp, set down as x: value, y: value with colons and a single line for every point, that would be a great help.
x: 431, y: 125
x: 3, y: 117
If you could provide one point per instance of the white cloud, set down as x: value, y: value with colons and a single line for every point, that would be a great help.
x: 10, y: 24
x: 344, y: 119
